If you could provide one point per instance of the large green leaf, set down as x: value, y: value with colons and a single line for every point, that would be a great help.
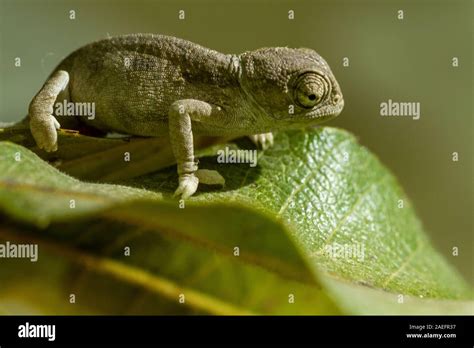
x: 313, y: 192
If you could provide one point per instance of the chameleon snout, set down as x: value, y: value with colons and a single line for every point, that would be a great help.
x: 337, y: 101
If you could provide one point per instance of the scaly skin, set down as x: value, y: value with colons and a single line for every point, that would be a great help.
x: 154, y: 85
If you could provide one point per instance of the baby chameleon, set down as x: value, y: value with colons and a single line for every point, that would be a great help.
x: 154, y: 85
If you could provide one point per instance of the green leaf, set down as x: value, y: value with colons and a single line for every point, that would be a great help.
x: 173, y: 252
x: 96, y: 158
x: 312, y: 194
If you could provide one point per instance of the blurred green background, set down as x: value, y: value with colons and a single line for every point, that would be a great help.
x: 404, y: 60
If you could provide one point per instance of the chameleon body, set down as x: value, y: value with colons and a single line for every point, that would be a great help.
x: 156, y: 85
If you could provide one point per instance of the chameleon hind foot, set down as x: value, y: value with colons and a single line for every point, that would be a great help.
x: 43, y: 125
x: 44, y: 131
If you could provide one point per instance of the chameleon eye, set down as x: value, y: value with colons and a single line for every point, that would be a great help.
x: 310, y: 89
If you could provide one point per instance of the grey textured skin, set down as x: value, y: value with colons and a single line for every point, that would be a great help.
x: 155, y: 85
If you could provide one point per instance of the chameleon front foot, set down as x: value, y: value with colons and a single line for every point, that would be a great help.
x: 264, y: 140
x: 188, y: 183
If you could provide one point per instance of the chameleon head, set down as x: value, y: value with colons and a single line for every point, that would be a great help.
x: 295, y: 87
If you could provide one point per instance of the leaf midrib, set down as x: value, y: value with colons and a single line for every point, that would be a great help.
x: 132, y: 275
x: 267, y: 263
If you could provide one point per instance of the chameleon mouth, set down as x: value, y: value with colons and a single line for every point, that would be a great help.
x: 326, y: 112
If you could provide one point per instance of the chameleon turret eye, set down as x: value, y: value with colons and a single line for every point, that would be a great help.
x: 310, y: 89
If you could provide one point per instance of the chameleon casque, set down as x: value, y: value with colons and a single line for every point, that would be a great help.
x: 156, y: 85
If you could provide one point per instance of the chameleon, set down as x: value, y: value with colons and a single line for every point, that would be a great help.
x: 154, y: 85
